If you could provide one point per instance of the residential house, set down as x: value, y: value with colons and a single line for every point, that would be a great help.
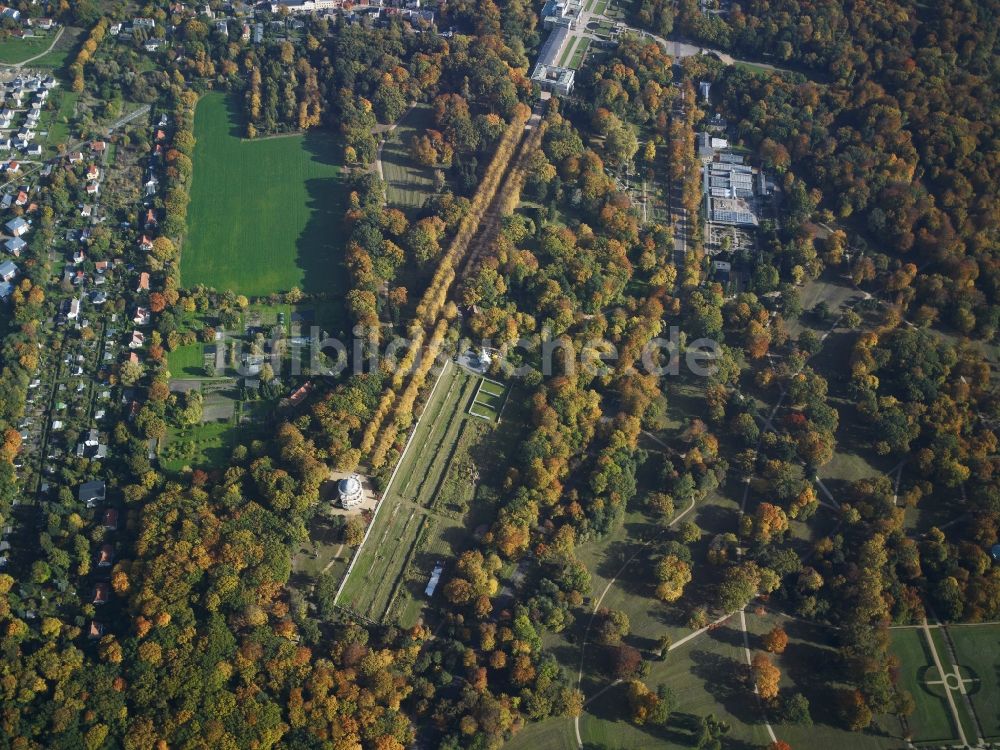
x: 101, y: 266
x: 141, y: 317
x: 98, y: 147
x: 6, y: 289
x: 79, y: 256
x: 92, y: 493
x: 137, y: 341
x: 74, y: 309
x: 75, y: 157
x: 8, y: 270
x: 93, y: 173
x: 106, y: 556
x: 151, y: 222
x: 35, y: 149
x: 91, y: 446
x: 100, y: 593
x: 143, y: 282
x: 13, y: 167
x: 17, y: 226
x: 93, y: 188
x: 151, y: 45
x: 15, y: 246
x: 146, y: 244
x: 22, y: 198
x: 96, y: 630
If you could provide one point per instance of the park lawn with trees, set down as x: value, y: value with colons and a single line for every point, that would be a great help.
x: 892, y: 137
x: 205, y: 445
x: 265, y: 216
x: 703, y: 678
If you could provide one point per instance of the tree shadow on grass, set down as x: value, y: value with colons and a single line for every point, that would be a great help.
x: 725, y: 679
x: 321, y: 243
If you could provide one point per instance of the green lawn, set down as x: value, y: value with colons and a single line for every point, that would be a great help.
x: 568, y: 51
x: 66, y: 47
x: 187, y: 361
x: 964, y: 714
x: 14, y: 50
x: 408, y: 184
x: 581, y: 50
x: 977, y: 648
x: 931, y: 721
x: 553, y: 734
x: 265, y: 215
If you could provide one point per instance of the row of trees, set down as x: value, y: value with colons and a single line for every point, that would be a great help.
x: 86, y: 53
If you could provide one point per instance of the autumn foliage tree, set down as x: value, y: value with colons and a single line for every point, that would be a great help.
x: 776, y: 640
x: 766, y: 676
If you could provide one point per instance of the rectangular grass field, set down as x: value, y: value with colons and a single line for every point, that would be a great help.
x: 931, y: 721
x: 977, y: 648
x: 265, y: 215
